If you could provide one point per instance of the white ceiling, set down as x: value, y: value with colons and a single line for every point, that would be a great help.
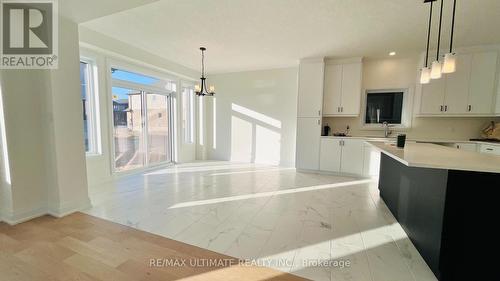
x: 81, y: 11
x: 257, y: 34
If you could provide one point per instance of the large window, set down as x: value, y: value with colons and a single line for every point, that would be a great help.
x: 90, y: 106
x: 142, y: 120
x: 188, y: 114
x: 385, y: 106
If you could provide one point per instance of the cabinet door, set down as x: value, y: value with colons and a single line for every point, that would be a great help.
x: 308, y: 138
x: 371, y: 162
x: 482, y: 82
x: 330, y: 155
x: 352, y: 157
x: 351, y: 89
x: 310, y: 101
x: 432, y: 98
x: 332, y: 100
x: 457, y: 86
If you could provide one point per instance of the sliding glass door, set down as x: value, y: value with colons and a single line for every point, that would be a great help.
x: 141, y: 128
x: 128, y: 129
x: 158, y: 123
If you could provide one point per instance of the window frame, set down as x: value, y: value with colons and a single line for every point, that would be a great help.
x: 188, y: 118
x: 406, y: 110
x: 143, y: 88
x: 93, y: 118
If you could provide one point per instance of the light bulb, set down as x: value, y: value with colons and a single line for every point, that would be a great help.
x: 425, y: 76
x: 450, y: 63
x: 436, y: 70
x: 212, y: 89
x: 197, y: 88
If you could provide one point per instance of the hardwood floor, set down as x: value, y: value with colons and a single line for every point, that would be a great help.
x: 82, y: 247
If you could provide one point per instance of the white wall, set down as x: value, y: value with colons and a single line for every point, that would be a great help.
x: 402, y: 73
x: 44, y: 147
x: 255, y: 117
x: 104, y: 50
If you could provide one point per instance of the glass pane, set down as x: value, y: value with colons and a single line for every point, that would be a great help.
x: 384, y: 107
x: 158, y: 128
x: 84, y: 82
x: 128, y: 129
x: 134, y: 77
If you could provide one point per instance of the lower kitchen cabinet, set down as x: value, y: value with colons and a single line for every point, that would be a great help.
x: 371, y: 162
x: 308, y: 144
x: 342, y: 156
x: 331, y: 153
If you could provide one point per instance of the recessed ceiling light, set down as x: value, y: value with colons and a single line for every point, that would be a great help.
x: 392, y: 53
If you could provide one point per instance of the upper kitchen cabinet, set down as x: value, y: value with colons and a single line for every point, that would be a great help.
x: 342, y: 96
x: 310, y: 100
x: 482, y: 83
x: 470, y: 91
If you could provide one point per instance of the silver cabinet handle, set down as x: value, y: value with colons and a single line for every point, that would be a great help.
x: 442, y: 107
x: 445, y: 108
x: 470, y: 108
x: 319, y: 112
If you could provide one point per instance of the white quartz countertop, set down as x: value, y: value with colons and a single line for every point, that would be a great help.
x: 393, y: 138
x: 428, y: 155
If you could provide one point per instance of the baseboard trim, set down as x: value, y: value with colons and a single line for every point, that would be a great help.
x: 13, y: 218
x: 68, y: 208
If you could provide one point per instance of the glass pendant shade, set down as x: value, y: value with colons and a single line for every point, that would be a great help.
x: 425, y: 75
x: 436, y: 70
x: 450, y: 63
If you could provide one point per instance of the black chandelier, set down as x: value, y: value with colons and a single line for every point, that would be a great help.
x: 202, y: 89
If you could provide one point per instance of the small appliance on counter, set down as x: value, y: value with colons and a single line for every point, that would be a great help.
x: 344, y: 134
x: 401, y: 141
x: 491, y: 133
x: 326, y: 130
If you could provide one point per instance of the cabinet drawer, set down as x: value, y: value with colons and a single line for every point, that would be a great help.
x: 490, y: 149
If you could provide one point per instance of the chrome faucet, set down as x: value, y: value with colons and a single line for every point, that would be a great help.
x: 387, y: 132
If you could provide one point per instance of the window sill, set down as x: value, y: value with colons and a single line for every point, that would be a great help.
x: 92, y: 154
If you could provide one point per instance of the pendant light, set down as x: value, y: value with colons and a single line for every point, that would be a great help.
x: 436, y: 71
x: 450, y: 64
x: 202, y: 89
x: 425, y: 75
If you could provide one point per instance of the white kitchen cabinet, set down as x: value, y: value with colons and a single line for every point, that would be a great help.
x: 342, y: 95
x: 482, y: 83
x: 371, y: 161
x: 331, y: 154
x: 457, y: 86
x: 310, y: 99
x: 352, y: 157
x: 342, y: 156
x: 332, y: 100
x: 467, y: 92
x: 463, y: 146
x: 432, y: 97
x: 490, y: 149
x: 308, y: 143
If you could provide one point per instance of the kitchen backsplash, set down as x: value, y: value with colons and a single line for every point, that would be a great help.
x: 429, y: 128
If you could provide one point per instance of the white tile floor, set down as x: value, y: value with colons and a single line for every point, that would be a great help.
x: 284, y: 219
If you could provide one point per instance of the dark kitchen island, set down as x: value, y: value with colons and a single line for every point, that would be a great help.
x: 446, y: 200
